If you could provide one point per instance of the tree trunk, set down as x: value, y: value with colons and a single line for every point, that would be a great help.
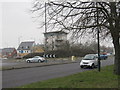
x: 115, y: 36
x: 114, y: 29
x: 117, y: 57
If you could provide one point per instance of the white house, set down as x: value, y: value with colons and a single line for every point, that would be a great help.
x: 25, y: 48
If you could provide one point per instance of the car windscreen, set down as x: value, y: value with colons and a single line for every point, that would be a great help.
x: 36, y: 57
x: 89, y: 57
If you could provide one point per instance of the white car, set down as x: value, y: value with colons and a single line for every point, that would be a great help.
x: 35, y: 59
x: 3, y: 58
x: 90, y: 60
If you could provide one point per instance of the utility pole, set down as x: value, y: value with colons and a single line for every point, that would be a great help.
x: 99, y: 63
x: 45, y: 27
x: 45, y: 44
x: 45, y: 19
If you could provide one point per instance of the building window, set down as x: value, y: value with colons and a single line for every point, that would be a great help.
x: 22, y: 47
x: 27, y: 47
x: 21, y: 51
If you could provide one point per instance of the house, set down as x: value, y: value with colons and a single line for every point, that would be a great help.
x: 38, y: 48
x: 25, y: 48
x: 8, y: 52
x: 0, y: 53
x: 55, y: 40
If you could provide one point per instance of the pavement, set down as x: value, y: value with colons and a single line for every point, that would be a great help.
x: 11, y: 64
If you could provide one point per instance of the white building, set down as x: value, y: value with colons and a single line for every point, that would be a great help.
x: 55, y: 40
x: 25, y: 48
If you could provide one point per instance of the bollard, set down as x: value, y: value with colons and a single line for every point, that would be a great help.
x: 46, y: 60
x: 73, y: 58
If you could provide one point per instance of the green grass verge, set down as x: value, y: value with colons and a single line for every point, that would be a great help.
x: 88, y: 79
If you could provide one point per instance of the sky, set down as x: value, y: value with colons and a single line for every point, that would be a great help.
x: 17, y: 24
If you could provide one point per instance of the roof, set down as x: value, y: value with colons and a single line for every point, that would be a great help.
x: 8, y: 50
x: 56, y: 32
x: 26, y: 45
x: 0, y: 50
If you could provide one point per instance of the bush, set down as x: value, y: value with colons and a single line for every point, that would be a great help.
x: 30, y: 55
x: 69, y: 53
x: 78, y: 51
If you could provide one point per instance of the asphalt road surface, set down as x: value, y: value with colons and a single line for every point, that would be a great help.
x: 18, y: 77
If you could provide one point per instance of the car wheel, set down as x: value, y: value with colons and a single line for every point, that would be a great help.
x: 93, y: 66
x: 28, y: 61
x: 105, y: 58
x: 81, y: 66
x: 39, y: 61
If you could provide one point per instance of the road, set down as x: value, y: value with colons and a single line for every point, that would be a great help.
x: 18, y: 77
x: 20, y: 63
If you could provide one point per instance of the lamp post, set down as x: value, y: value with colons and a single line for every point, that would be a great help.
x: 45, y: 27
x: 99, y: 63
x: 45, y: 18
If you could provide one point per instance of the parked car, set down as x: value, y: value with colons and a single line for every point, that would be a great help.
x: 18, y: 57
x: 109, y: 54
x: 35, y: 59
x: 90, y: 60
x: 103, y: 56
x: 3, y: 58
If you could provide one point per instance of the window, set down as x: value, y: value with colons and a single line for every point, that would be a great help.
x: 22, y: 47
x: 27, y: 47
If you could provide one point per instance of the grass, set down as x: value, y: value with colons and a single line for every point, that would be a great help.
x: 88, y: 79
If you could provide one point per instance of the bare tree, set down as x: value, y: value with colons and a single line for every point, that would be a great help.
x: 85, y: 17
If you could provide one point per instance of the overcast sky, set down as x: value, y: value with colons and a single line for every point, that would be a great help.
x: 17, y: 24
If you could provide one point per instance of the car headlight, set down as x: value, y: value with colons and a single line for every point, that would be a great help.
x: 90, y: 63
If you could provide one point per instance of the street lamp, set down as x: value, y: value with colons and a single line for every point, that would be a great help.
x: 45, y: 18
x: 99, y: 63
